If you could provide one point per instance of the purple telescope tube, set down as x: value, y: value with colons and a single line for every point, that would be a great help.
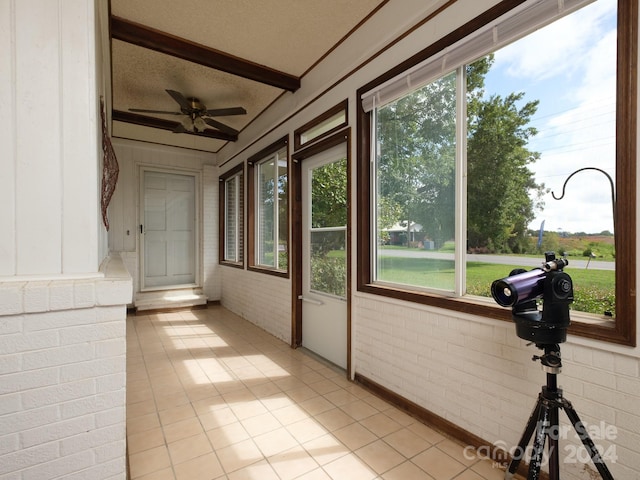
x: 510, y: 291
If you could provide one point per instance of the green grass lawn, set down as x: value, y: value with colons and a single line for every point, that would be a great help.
x: 594, y: 290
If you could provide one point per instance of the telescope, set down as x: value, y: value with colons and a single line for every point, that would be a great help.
x: 521, y: 291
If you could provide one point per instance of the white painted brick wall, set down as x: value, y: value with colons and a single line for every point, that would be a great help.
x: 212, y: 275
x: 479, y: 375
x: 264, y: 300
x: 63, y: 378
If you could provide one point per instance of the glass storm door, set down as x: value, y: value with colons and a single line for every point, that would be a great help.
x: 324, y: 254
x: 168, y: 230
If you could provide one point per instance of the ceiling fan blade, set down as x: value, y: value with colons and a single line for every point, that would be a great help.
x: 180, y: 129
x: 221, y: 126
x: 223, y: 112
x: 178, y: 97
x: 141, y: 110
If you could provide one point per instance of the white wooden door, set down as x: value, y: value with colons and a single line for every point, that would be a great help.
x: 168, y: 230
x: 324, y: 254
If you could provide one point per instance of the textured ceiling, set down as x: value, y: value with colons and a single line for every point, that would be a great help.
x: 286, y: 36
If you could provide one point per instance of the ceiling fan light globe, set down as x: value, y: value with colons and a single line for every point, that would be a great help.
x: 187, y: 123
x: 199, y: 124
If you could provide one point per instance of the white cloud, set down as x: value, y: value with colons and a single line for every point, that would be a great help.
x: 575, y: 58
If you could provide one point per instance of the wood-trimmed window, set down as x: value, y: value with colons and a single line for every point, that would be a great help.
x: 323, y: 126
x: 268, y: 212
x: 232, y: 217
x: 622, y: 328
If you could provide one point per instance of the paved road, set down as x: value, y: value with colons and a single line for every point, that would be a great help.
x: 500, y: 259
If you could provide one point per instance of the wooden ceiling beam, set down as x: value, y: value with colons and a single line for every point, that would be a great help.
x: 153, y: 122
x: 152, y: 39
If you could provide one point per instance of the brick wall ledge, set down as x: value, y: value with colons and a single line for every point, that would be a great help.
x: 110, y: 287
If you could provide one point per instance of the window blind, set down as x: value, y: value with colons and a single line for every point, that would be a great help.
x: 519, y: 22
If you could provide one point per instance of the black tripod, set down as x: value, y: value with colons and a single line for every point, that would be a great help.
x: 544, y: 422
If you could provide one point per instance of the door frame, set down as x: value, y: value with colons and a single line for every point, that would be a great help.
x: 142, y: 168
x: 343, y: 136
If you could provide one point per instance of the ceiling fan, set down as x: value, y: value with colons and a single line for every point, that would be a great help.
x: 198, y: 118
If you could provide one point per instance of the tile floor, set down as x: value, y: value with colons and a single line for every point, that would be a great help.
x: 211, y: 396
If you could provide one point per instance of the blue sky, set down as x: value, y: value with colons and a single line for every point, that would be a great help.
x: 570, y: 67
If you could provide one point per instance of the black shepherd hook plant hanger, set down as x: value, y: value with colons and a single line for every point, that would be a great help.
x: 613, y: 192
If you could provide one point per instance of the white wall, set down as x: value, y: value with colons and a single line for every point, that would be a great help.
x: 471, y: 371
x: 49, y: 144
x: 62, y: 304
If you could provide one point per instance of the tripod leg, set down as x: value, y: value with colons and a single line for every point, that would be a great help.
x: 538, y: 442
x: 554, y: 456
x: 587, y: 442
x: 524, y: 440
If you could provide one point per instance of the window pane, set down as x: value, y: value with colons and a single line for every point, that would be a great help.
x: 329, y: 195
x: 329, y: 262
x: 266, y: 213
x: 231, y: 214
x: 415, y: 178
x: 323, y: 127
x: 538, y: 112
x: 233, y: 223
x: 272, y: 226
x: 283, y: 212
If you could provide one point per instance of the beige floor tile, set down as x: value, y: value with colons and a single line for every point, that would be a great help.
x: 175, y: 414
x: 213, y: 397
x: 261, y: 470
x: 164, y: 474
x: 488, y: 470
x: 261, y: 424
x: 139, y: 409
x: 349, y: 466
x: 334, y: 419
x: 355, y: 436
x: 189, y: 448
x: 149, y: 461
x: 301, y: 393
x: 406, y: 442
x: 182, y: 429
x: 289, y: 414
x: 326, y: 449
x: 217, y: 418
x: 222, y: 437
x: 438, y: 464
x: 139, y: 442
x: 359, y: 410
x: 324, y: 386
x: 457, y: 451
x: 399, y: 416
x: 381, y: 425
x: 143, y: 423
x: 292, y: 463
x: 277, y: 401
x: 244, y: 410
x: 380, y: 456
x: 205, y: 467
x: 471, y: 475
x: 428, y: 433
x: 275, y: 442
x: 306, y: 430
x: 317, y: 474
x: 340, y: 397
x: 317, y: 405
x: 408, y: 471
x: 239, y: 455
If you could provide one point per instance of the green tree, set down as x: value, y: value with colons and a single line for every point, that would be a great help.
x: 502, y: 192
x: 416, y: 166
